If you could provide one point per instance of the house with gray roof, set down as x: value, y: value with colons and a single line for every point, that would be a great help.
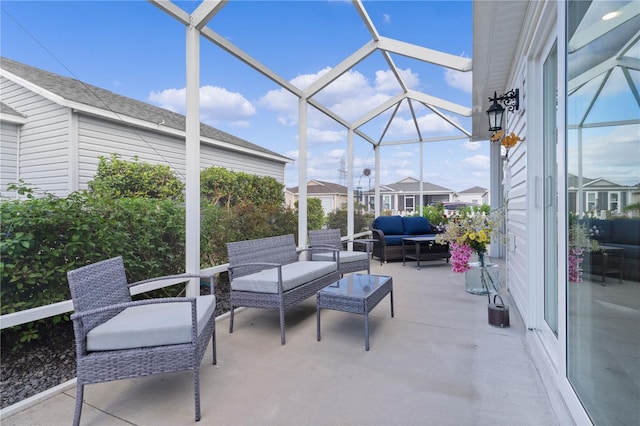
x: 403, y: 197
x: 332, y: 195
x: 53, y: 129
x: 475, y: 195
x: 599, y: 197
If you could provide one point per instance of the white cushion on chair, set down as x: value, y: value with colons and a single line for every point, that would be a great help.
x: 293, y: 275
x: 156, y: 324
x: 345, y: 256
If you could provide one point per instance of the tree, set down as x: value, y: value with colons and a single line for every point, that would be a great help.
x: 338, y: 219
x: 315, y: 213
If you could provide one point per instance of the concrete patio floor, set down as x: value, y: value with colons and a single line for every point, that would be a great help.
x: 438, y: 362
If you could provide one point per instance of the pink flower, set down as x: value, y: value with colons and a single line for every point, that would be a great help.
x: 460, y: 255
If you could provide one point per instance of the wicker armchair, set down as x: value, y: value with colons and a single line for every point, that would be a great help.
x: 350, y: 261
x: 117, y: 338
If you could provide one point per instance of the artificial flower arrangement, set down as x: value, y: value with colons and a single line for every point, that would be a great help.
x: 469, y: 232
x: 581, y: 240
x: 508, y: 141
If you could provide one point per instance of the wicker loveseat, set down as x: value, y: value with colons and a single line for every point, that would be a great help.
x: 266, y: 273
x: 389, y: 231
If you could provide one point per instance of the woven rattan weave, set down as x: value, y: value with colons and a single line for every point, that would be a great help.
x: 356, y: 294
x: 100, y: 291
x: 250, y: 256
x: 330, y: 238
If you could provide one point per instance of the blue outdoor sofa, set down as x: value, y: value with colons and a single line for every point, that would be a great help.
x: 389, y: 231
x: 622, y: 233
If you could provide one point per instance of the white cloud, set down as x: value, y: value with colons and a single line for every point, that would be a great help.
x: 477, y: 162
x: 459, y: 80
x: 386, y: 18
x: 386, y: 80
x: 325, y: 136
x: 403, y: 154
x: 216, y: 104
x: 472, y: 146
x: 349, y: 96
x: 403, y: 173
x: 430, y: 124
x: 336, y: 153
x: 611, y: 153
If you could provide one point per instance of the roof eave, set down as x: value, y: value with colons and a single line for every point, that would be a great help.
x: 496, y: 32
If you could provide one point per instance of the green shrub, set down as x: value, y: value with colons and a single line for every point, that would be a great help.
x: 116, y: 178
x: 315, y: 213
x: 43, y: 238
x: 435, y: 214
x: 338, y: 219
x: 226, y: 188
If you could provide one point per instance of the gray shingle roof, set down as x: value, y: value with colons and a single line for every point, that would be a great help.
x: 92, y: 96
x: 321, y: 187
x: 413, y: 185
x: 474, y: 190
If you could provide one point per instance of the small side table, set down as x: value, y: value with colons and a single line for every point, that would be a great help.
x: 356, y: 294
x: 607, y: 252
x: 369, y: 242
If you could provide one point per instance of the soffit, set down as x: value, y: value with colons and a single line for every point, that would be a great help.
x: 497, y: 26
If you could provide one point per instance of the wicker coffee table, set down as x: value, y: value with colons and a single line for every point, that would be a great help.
x: 357, y: 294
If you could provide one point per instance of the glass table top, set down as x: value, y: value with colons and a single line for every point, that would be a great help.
x: 356, y: 285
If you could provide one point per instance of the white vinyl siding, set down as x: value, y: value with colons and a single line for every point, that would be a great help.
x: 50, y: 160
x: 98, y: 137
x: 518, y: 219
x: 43, y: 138
x: 8, y: 156
x: 240, y: 162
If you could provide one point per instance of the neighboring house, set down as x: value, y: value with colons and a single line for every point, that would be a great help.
x: 54, y: 128
x: 403, y: 197
x: 476, y: 195
x: 599, y: 196
x: 332, y: 195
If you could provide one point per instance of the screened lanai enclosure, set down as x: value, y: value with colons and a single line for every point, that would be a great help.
x: 363, y: 124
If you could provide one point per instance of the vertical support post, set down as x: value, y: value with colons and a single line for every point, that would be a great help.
x: 376, y: 150
x: 193, y: 158
x: 350, y: 203
x: 302, y: 172
x: 421, y: 203
x: 495, y: 189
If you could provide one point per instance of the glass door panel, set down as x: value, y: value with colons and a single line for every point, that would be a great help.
x: 550, y: 190
x: 603, y: 170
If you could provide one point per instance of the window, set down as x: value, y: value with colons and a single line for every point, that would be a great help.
x: 592, y: 201
x: 408, y: 203
x: 614, y: 198
x: 386, y: 202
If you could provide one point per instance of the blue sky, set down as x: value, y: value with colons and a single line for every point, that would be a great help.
x: 136, y: 50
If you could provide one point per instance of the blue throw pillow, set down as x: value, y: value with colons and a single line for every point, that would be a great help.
x: 416, y: 225
x: 390, y: 225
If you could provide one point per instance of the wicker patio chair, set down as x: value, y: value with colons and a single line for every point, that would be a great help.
x: 350, y: 261
x: 117, y: 338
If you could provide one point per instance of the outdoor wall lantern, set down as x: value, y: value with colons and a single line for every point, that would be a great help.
x: 511, y: 100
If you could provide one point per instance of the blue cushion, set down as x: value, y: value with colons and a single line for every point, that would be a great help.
x: 394, y: 240
x: 416, y: 225
x: 390, y: 225
x: 626, y: 231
